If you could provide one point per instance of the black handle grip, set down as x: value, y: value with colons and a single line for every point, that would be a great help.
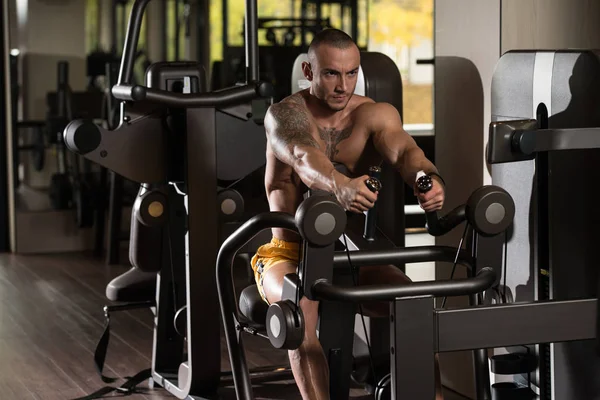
x: 437, y: 226
x: 424, y: 61
x: 374, y: 185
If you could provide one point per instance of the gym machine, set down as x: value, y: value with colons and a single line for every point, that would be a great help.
x: 544, y: 146
x: 321, y: 221
x: 177, y: 141
x: 548, y: 332
x: 545, y: 293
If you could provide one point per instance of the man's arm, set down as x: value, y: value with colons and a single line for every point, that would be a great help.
x: 290, y: 134
x: 396, y: 146
x: 399, y: 149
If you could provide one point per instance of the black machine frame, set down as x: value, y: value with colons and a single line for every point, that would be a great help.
x: 417, y: 329
x: 139, y: 150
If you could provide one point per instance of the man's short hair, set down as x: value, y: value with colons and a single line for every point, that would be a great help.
x: 331, y: 37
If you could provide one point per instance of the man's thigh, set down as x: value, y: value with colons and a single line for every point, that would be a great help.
x: 382, y: 274
x: 379, y: 275
x: 272, y: 280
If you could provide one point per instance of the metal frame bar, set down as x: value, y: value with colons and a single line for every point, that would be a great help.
x: 413, y: 348
x: 542, y: 140
x: 420, y: 332
x: 525, y: 323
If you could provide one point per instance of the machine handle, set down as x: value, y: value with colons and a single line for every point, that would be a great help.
x: 437, y: 226
x: 484, y: 279
x: 374, y: 185
x: 234, y: 95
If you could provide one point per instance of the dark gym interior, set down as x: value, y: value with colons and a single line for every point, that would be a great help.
x: 132, y: 200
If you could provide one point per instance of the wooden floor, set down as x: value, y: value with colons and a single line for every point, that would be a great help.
x: 52, y: 318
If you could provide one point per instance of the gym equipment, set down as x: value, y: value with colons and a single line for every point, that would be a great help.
x: 73, y: 186
x: 546, y: 301
x: 544, y: 143
x: 320, y: 220
x: 36, y: 146
x: 275, y: 60
x: 172, y: 139
x: 61, y: 190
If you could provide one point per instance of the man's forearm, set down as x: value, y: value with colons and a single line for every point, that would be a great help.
x: 317, y: 171
x: 414, y: 160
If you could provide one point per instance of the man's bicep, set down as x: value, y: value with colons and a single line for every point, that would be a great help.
x: 389, y: 137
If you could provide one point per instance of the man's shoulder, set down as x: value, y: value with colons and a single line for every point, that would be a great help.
x: 376, y: 115
x: 292, y: 103
x: 368, y: 104
x: 370, y: 109
x: 295, y: 99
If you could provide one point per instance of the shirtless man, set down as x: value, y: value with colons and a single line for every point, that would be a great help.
x: 307, y: 132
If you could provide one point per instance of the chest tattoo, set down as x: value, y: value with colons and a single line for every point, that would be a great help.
x: 332, y: 138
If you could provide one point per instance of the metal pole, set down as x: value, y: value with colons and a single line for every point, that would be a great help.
x: 251, y: 34
x: 131, y: 40
x: 177, y: 29
x: 480, y: 356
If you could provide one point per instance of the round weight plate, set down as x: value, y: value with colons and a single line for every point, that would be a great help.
x: 152, y: 208
x: 231, y: 204
x: 285, y: 325
x: 490, y: 209
x: 320, y: 220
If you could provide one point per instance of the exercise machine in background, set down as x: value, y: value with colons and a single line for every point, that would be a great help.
x: 178, y: 141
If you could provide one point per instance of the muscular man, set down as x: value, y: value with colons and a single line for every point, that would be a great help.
x: 307, y: 133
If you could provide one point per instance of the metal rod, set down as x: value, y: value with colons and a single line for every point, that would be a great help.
x: 534, y: 141
x: 131, y: 40
x: 165, y: 30
x: 177, y: 24
x: 229, y: 96
x: 480, y: 356
x: 458, y: 287
x: 404, y: 255
x: 225, y: 257
x: 251, y: 24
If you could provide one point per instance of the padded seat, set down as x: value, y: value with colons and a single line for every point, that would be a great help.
x: 132, y: 286
x: 252, y: 306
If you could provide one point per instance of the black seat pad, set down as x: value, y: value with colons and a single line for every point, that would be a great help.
x: 252, y: 306
x: 132, y: 286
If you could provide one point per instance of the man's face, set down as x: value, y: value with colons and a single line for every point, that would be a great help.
x: 333, y: 73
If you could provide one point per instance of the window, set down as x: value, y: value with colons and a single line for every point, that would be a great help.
x: 92, y: 27
x: 403, y: 30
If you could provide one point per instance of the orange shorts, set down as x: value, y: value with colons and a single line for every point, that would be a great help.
x: 272, y: 253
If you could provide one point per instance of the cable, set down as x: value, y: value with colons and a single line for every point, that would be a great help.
x: 362, y: 316
x: 504, y: 267
x: 456, y: 259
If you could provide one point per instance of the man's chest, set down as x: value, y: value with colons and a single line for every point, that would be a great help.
x: 345, y: 144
